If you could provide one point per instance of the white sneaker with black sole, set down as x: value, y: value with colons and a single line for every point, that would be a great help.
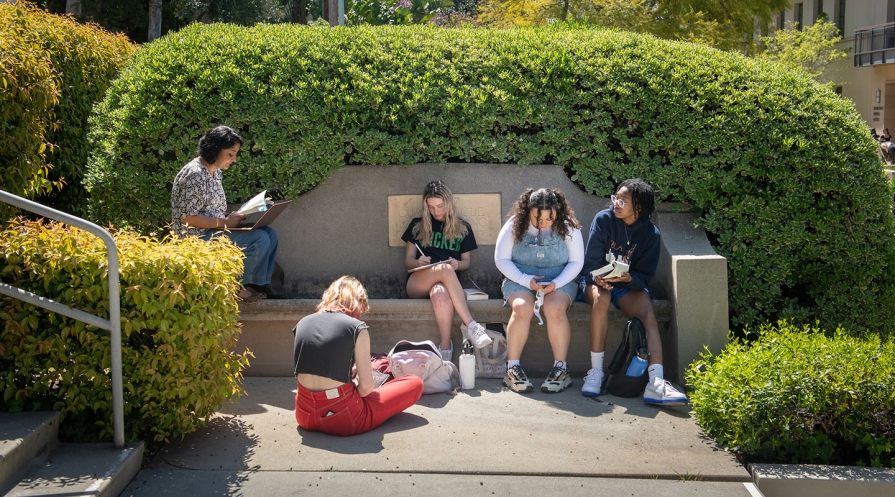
x: 557, y: 381
x: 515, y: 380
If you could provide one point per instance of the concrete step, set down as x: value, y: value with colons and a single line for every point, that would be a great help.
x: 81, y: 469
x: 24, y: 436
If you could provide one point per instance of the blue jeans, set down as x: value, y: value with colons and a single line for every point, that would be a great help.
x: 260, y: 249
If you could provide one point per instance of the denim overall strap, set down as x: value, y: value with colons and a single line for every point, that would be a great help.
x: 541, y: 256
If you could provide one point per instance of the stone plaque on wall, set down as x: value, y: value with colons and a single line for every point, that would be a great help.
x: 480, y: 210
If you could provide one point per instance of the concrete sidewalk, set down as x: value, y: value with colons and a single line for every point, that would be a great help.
x: 487, y: 441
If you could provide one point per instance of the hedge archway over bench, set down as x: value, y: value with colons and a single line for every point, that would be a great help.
x: 783, y: 170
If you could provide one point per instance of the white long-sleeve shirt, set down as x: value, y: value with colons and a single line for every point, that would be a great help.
x: 503, y: 255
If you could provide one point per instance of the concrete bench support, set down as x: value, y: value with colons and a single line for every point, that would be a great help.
x: 695, y: 279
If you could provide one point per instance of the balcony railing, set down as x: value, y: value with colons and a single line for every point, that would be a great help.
x: 875, y: 45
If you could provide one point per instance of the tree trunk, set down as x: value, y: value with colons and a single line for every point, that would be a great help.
x: 73, y: 7
x: 155, y: 19
x: 332, y: 12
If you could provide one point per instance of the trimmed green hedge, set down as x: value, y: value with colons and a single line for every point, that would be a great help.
x: 179, y: 321
x: 799, y: 396
x: 53, y: 72
x: 783, y: 170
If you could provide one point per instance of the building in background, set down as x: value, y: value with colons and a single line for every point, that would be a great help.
x: 868, y: 74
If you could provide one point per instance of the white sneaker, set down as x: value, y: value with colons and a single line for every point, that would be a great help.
x: 662, y: 392
x: 476, y: 334
x: 593, y: 382
x: 447, y: 354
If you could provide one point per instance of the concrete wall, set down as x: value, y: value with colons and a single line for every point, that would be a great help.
x: 809, y: 480
x: 341, y: 227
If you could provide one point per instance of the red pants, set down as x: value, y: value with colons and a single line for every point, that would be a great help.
x: 341, y: 411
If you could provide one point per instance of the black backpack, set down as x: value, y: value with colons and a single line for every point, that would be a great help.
x: 618, y: 383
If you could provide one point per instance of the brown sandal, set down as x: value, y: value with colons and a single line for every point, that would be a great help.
x: 252, y: 296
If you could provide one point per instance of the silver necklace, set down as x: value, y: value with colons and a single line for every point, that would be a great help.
x: 627, y: 238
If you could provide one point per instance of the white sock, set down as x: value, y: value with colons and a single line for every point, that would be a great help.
x: 596, y: 360
x: 471, y: 324
x: 560, y: 364
x: 510, y: 364
x: 656, y: 371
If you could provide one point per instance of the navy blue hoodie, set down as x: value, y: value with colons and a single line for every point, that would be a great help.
x: 638, y: 246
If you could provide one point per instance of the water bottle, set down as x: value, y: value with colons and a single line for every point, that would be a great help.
x: 638, y: 364
x: 467, y: 367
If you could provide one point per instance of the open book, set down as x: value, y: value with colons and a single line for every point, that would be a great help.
x: 612, y: 270
x: 475, y: 293
x: 258, y: 203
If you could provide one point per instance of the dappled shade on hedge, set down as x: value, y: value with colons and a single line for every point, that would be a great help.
x: 782, y: 169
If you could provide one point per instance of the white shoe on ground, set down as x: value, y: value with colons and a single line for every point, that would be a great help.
x: 476, y: 334
x: 593, y: 382
x: 447, y: 354
x: 662, y: 392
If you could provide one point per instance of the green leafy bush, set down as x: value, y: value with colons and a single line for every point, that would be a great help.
x: 178, y: 321
x: 782, y: 169
x: 797, y: 395
x: 80, y: 60
x: 71, y: 66
x: 29, y: 94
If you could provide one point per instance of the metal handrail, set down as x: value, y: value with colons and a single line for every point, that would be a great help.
x: 113, y: 324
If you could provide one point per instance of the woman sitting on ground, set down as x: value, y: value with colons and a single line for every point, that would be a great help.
x: 327, y: 345
x: 199, y: 208
x: 540, y: 252
x: 445, y: 239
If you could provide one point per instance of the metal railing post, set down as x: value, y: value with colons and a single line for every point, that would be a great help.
x: 113, y: 324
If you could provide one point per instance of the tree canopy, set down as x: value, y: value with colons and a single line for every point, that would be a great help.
x: 724, y: 24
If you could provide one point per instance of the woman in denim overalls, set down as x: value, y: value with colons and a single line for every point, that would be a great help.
x: 540, y: 252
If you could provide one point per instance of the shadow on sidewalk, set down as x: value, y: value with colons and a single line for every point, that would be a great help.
x: 365, y: 443
x: 226, y: 442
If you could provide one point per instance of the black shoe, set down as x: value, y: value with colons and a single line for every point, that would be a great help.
x: 266, y: 289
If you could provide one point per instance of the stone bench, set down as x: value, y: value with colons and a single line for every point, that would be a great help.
x: 352, y: 223
x: 267, y: 331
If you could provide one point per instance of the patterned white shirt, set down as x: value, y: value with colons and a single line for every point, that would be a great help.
x: 196, y: 192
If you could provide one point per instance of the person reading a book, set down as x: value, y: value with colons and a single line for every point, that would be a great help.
x: 540, y: 252
x: 199, y: 208
x: 438, y: 245
x: 625, y: 233
x: 328, y: 345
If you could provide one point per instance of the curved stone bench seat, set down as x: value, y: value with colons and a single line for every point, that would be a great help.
x: 267, y: 331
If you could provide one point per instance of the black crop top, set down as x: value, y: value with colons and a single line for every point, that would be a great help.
x: 324, y: 345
